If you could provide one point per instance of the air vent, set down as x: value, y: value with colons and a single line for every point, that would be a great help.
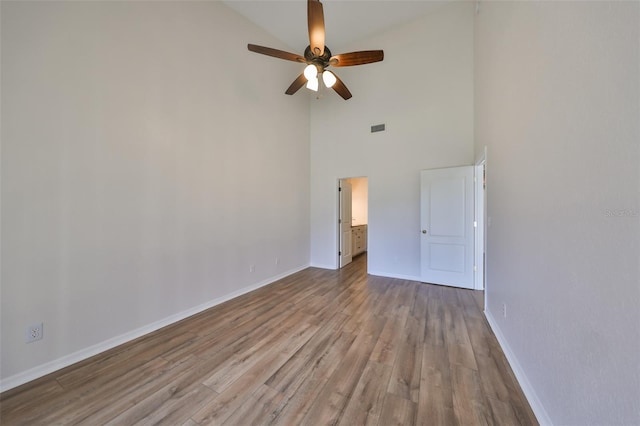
x: 377, y: 128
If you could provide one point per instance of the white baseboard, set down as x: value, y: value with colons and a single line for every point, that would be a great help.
x: 67, y: 360
x: 529, y: 392
x: 398, y: 276
x: 317, y: 265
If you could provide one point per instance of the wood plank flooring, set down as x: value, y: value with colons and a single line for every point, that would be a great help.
x: 318, y: 347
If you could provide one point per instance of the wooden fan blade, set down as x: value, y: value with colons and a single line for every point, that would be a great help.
x: 275, y: 53
x: 341, y: 89
x: 296, y: 85
x: 315, y: 18
x: 356, y: 58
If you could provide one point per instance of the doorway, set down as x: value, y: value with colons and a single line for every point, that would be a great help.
x: 453, y: 226
x: 353, y: 218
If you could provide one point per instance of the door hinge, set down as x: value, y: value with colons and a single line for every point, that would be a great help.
x: 339, y: 221
x: 475, y: 268
x: 475, y: 224
x: 339, y: 253
x: 339, y: 189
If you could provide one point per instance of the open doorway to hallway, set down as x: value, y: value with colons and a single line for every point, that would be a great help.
x: 353, y: 218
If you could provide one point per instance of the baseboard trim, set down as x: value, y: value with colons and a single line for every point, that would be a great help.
x: 67, y: 360
x: 397, y: 276
x: 317, y: 265
x: 529, y: 392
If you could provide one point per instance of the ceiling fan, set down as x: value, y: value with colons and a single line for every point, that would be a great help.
x: 318, y: 57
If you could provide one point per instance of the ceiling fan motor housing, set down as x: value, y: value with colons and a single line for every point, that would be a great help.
x: 321, y: 62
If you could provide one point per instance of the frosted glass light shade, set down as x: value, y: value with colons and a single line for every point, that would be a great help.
x: 328, y: 78
x: 313, y: 84
x: 310, y: 72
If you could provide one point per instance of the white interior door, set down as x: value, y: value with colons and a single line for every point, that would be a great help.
x: 345, y: 222
x: 446, y: 217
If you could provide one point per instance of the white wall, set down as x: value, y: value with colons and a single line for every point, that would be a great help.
x: 145, y: 167
x: 558, y: 106
x: 423, y: 92
x: 359, y: 201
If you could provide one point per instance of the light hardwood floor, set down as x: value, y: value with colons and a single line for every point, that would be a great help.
x: 318, y: 347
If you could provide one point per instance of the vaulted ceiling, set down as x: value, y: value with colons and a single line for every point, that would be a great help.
x: 346, y: 21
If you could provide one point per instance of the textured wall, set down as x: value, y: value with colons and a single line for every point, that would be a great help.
x: 558, y: 106
x: 423, y: 92
x: 145, y: 167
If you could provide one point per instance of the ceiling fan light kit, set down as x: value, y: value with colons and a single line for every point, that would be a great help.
x: 310, y: 71
x: 329, y: 79
x: 312, y: 84
x: 318, y: 57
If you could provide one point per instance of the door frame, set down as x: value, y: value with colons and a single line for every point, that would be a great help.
x: 337, y: 218
x: 480, y: 221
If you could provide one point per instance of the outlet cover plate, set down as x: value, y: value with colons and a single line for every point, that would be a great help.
x: 34, y: 333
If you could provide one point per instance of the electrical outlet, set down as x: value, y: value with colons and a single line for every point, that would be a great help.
x: 277, y: 260
x: 504, y: 310
x: 34, y: 332
x: 252, y: 268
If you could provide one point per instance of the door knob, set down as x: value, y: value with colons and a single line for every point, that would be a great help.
x: 424, y: 231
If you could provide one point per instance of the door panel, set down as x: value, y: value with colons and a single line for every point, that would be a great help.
x: 447, y: 257
x: 446, y: 216
x: 447, y: 196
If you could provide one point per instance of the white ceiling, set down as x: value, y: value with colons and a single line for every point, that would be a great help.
x: 346, y: 21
